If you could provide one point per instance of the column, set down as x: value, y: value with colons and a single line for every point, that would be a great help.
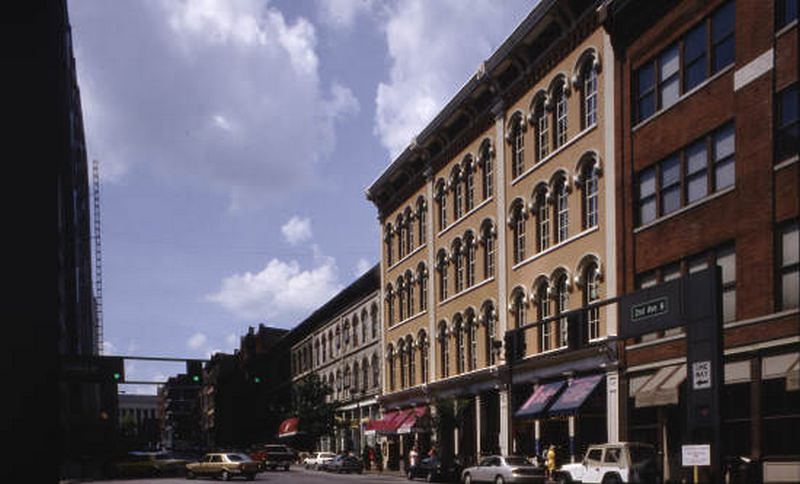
x: 430, y: 234
x: 477, y: 427
x: 456, y: 433
x: 571, y: 424
x: 505, y: 428
x: 537, y: 437
x: 612, y: 406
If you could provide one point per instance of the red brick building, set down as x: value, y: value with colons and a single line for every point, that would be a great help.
x: 708, y: 174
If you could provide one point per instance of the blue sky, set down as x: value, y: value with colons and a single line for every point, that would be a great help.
x: 235, y: 140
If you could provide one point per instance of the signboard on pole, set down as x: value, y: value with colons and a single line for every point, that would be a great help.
x: 696, y: 455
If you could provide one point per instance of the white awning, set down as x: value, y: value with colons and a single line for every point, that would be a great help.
x: 660, y: 388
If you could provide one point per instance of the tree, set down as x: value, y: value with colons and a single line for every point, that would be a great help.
x: 310, y: 405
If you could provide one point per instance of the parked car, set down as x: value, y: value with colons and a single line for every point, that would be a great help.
x: 318, y: 459
x: 148, y: 464
x: 223, y: 465
x: 501, y: 469
x: 612, y: 463
x: 434, y: 469
x: 345, y: 463
x: 274, y: 456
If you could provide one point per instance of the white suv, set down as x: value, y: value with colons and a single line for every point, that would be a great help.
x: 317, y: 459
x: 612, y: 463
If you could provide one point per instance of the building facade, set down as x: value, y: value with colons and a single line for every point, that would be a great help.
x: 706, y: 150
x: 343, y: 348
x: 137, y: 420
x: 500, y: 215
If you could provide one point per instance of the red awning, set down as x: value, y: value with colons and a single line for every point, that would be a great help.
x: 410, y: 423
x: 289, y: 427
x: 388, y: 424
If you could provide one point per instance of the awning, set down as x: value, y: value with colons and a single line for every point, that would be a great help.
x: 576, y: 393
x: 661, y: 388
x: 414, y: 417
x: 540, y: 399
x: 388, y: 424
x: 288, y: 427
x: 782, y: 366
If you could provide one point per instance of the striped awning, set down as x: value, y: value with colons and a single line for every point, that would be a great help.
x: 660, y: 388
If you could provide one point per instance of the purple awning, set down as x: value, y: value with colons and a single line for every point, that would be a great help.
x: 539, y: 399
x: 576, y: 393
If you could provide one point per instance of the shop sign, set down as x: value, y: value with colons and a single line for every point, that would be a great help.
x: 696, y: 455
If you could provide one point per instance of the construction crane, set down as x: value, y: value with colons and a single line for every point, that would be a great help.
x: 98, y: 258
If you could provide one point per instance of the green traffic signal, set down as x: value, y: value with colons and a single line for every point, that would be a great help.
x: 257, y: 379
x: 117, y: 376
x: 196, y: 378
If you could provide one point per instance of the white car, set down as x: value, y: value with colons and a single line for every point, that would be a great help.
x: 501, y: 470
x: 318, y: 459
x: 611, y: 464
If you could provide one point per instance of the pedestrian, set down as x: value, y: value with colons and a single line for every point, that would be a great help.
x: 365, y: 457
x: 412, y: 457
x: 371, y: 455
x: 378, y: 458
x: 551, y: 460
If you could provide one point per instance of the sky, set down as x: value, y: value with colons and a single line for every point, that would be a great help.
x: 235, y: 139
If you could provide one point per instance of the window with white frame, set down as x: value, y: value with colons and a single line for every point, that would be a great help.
x: 423, y: 353
x: 543, y: 309
x: 517, y: 147
x: 542, y: 220
x: 422, y: 281
x: 442, y: 269
x: 458, y: 262
x: 591, y: 295
x: 488, y: 171
x: 589, y: 94
x: 469, y: 184
x: 562, y: 306
x: 422, y: 217
x: 542, y: 124
x: 441, y: 200
x: 458, y: 194
x: 560, y: 100
x: 460, y: 331
x: 562, y: 210
x: 590, y: 196
x: 789, y: 266
x: 518, y: 232
x: 411, y: 361
x: 518, y: 308
x: 473, y: 343
x: 488, y: 251
x: 490, y: 336
x: 470, y: 260
x: 444, y: 353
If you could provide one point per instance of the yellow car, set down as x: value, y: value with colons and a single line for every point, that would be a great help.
x: 223, y: 465
x: 154, y: 464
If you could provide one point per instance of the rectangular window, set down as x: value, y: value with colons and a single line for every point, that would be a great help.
x: 684, y: 177
x: 788, y: 123
x: 789, y: 266
x: 703, y: 51
x: 785, y: 13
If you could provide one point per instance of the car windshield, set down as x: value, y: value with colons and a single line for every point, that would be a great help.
x: 516, y: 461
x: 641, y: 454
x: 238, y: 458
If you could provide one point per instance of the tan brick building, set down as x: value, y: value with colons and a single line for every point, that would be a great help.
x: 501, y: 213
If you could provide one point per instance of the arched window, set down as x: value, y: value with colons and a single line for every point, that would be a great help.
x: 411, y: 361
x: 441, y: 267
x: 562, y: 305
x: 390, y: 362
x: 444, y: 354
x: 543, y: 309
x: 441, y: 200
x: 588, y: 180
x: 410, y: 287
x: 355, y: 330
x: 401, y: 352
x: 364, y: 325
x: 338, y: 339
x: 542, y: 219
x: 458, y: 262
x: 518, y: 215
x: 517, y: 140
x: 469, y: 184
x: 401, y: 299
x: 560, y: 105
x: 408, y: 219
x: 487, y: 172
x: 518, y: 307
x: 488, y: 317
x: 591, y: 294
x: 324, y: 348
x: 347, y: 376
x: 422, y: 218
x: 561, y: 191
x: 422, y: 282
x: 400, y: 227
x: 423, y: 353
x: 542, y: 124
x: 389, y: 305
x: 488, y: 240
x: 364, y: 374
x: 373, y: 316
x: 316, y: 353
x: 586, y: 78
x: 330, y: 341
x: 458, y: 192
x: 472, y: 342
x: 346, y: 333
x: 387, y: 238
x: 461, y: 350
x: 376, y: 371
x: 338, y: 380
x: 469, y: 241
x: 356, y: 375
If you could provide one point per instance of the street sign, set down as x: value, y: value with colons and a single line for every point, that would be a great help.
x: 696, y: 455
x: 649, y: 309
x: 701, y: 375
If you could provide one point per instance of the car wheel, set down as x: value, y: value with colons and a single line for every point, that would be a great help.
x: 225, y: 476
x: 429, y: 477
x: 611, y: 479
x: 467, y: 479
x: 190, y: 475
x: 562, y: 479
x: 499, y: 480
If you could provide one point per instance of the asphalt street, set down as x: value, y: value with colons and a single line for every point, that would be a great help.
x: 295, y: 475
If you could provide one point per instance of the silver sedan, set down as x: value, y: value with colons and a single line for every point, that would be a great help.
x: 501, y: 469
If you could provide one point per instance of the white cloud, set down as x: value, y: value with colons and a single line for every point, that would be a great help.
x: 362, y: 266
x: 297, y: 230
x: 206, y: 92
x: 196, y: 341
x: 341, y: 14
x: 109, y: 348
x: 281, y: 291
x: 434, y: 48
x: 232, y: 339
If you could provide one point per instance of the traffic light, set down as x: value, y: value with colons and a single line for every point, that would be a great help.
x: 113, y: 368
x: 256, y: 379
x: 194, y: 369
x: 514, y: 345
